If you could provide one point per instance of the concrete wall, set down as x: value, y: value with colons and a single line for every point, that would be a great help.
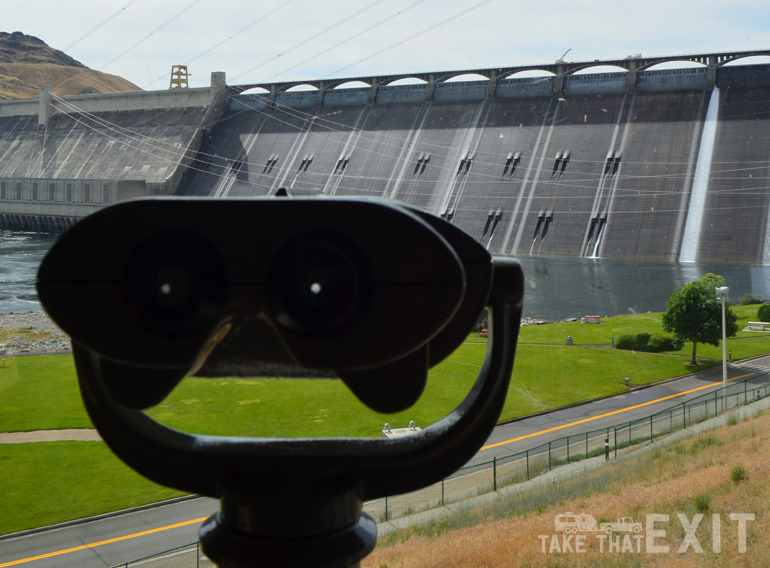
x: 558, y: 165
x: 133, y: 143
x: 597, y: 171
x: 27, y: 202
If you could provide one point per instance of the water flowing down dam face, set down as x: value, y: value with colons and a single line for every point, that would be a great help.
x: 658, y: 174
x: 700, y: 183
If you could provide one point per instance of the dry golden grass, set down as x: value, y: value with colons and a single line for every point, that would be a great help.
x: 666, y: 480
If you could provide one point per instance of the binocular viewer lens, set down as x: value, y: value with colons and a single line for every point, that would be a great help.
x: 175, y: 283
x: 318, y: 283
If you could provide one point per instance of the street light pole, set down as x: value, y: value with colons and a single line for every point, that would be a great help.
x: 722, y: 292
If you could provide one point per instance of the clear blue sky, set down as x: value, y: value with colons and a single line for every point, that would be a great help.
x: 284, y: 40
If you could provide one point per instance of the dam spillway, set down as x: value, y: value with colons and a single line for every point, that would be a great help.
x: 596, y: 171
x: 570, y: 165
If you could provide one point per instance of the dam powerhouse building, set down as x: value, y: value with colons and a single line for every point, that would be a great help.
x: 642, y: 163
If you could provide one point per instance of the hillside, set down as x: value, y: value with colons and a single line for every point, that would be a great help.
x: 27, y: 63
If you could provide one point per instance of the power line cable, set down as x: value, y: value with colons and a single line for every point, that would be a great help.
x: 350, y: 38
x: 221, y: 43
x: 315, y: 36
x: 100, y: 24
x: 413, y: 36
x: 152, y: 33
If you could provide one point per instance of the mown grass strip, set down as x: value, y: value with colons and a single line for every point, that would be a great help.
x: 51, y: 482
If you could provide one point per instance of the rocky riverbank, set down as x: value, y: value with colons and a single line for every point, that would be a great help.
x: 32, y: 332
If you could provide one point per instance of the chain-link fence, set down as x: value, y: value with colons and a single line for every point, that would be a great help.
x: 478, y: 479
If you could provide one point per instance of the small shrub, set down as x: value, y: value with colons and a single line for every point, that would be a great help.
x: 750, y: 299
x: 738, y: 473
x: 732, y: 420
x: 660, y: 343
x: 648, y: 343
x: 642, y: 342
x: 703, y: 502
x: 627, y: 342
x: 764, y: 312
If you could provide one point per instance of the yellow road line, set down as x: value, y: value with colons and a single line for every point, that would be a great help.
x: 584, y: 420
x: 101, y: 543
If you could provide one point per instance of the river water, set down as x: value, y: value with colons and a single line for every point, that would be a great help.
x: 556, y: 288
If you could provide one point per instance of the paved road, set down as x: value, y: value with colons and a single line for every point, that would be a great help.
x: 122, y: 538
x: 534, y: 431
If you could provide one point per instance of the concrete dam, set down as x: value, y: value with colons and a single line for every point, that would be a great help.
x: 637, y: 164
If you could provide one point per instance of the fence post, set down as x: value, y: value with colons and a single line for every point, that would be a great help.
x: 386, y: 507
x: 527, y: 465
x: 549, y: 456
x: 442, y: 492
x: 615, y: 438
x: 684, y: 417
x: 567, y: 449
x: 494, y: 473
x: 586, y: 445
x: 652, y: 439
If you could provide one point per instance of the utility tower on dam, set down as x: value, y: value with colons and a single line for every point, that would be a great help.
x: 640, y: 162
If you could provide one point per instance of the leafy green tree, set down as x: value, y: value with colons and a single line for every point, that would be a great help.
x: 711, y: 280
x: 694, y: 313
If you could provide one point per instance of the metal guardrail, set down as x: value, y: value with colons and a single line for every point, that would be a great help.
x: 485, y: 477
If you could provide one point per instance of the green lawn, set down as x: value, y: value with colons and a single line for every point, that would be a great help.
x: 45, y: 483
x: 552, y: 376
x: 40, y: 392
x: 592, y: 334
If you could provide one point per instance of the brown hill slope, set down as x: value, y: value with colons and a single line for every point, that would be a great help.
x: 27, y: 63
